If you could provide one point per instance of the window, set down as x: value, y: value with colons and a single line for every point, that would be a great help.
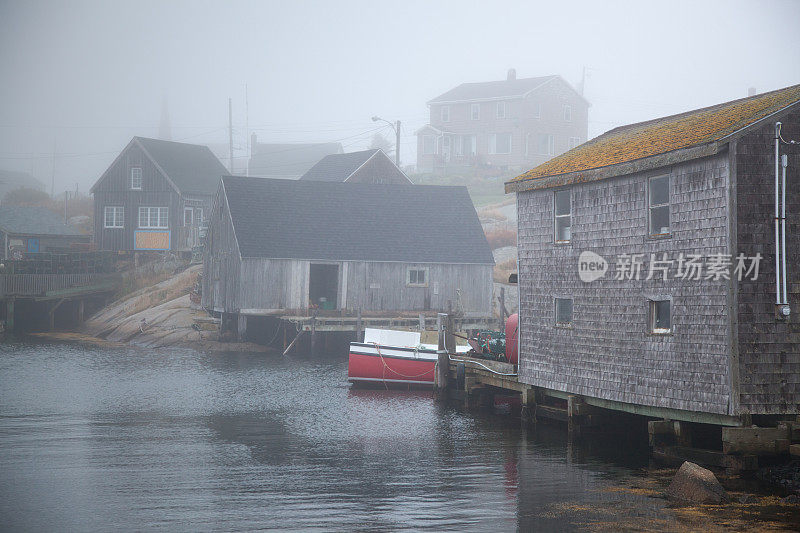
x: 660, y: 319
x: 475, y: 111
x: 198, y: 216
x: 417, y: 277
x: 501, y: 110
x: 547, y: 144
x: 499, y: 143
x: 114, y: 217
x: 567, y: 113
x: 573, y: 142
x: 428, y: 144
x: 659, y: 205
x: 154, y: 217
x: 445, y: 113
x: 136, y: 178
x: 188, y: 216
x: 465, y: 145
x: 563, y: 211
x: 537, y: 110
x: 563, y: 311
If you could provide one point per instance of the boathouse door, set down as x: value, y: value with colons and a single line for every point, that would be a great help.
x: 323, y: 285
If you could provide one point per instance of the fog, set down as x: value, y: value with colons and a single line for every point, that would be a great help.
x: 81, y: 78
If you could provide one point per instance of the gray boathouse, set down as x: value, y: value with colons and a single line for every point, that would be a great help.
x: 282, y: 247
x: 608, y: 232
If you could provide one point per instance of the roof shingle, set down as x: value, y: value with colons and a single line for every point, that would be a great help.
x: 663, y: 135
x: 335, y: 221
x: 338, y: 167
x: 193, y: 168
x: 491, y: 89
x: 24, y: 220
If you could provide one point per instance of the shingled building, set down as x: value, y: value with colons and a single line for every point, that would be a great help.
x: 647, y: 265
x: 279, y: 246
x: 367, y: 166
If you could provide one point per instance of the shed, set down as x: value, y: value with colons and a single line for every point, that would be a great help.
x: 608, y: 233
x: 276, y: 246
x: 34, y: 230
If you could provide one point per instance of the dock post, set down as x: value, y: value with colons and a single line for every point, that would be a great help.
x: 358, y: 326
x: 421, y: 322
x: 10, y: 315
x: 314, y: 332
x: 81, y: 311
x: 528, y: 412
x: 241, y: 327
x: 443, y: 361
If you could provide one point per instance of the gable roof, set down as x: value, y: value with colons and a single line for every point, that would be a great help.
x: 288, y: 160
x: 24, y: 220
x: 340, y: 167
x: 192, y: 168
x: 700, y: 132
x: 493, y: 90
x: 335, y: 221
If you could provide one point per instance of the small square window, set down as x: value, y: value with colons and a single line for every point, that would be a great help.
x: 658, y: 202
x: 563, y: 311
x: 136, y: 178
x: 417, y: 277
x: 660, y: 316
x: 114, y: 217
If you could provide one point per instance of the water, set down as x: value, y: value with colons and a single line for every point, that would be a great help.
x: 129, y: 439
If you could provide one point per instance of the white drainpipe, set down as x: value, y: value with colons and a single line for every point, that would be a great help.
x: 777, y: 220
x: 784, y: 164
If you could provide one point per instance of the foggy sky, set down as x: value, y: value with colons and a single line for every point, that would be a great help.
x: 87, y: 76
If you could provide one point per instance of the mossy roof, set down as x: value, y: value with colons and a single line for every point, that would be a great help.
x: 664, y: 135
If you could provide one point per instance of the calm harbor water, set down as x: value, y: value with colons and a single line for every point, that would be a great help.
x: 130, y: 439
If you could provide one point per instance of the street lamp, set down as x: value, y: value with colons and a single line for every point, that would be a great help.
x: 396, y: 128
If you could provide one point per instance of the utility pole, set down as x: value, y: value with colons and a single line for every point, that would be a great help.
x: 230, y: 133
x: 247, y: 128
x: 397, y: 145
x: 53, y: 172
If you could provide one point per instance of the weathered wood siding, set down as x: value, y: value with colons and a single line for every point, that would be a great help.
x: 608, y: 352
x: 114, y: 190
x: 283, y: 284
x: 769, y: 349
x: 221, y: 262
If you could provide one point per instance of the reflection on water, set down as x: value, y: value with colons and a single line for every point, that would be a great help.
x: 131, y: 439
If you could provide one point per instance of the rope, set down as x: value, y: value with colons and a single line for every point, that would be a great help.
x: 385, y: 366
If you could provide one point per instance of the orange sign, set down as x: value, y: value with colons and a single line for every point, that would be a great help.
x: 151, y: 240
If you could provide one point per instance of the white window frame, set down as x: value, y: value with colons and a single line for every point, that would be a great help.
x: 198, y: 215
x: 432, y: 139
x: 445, y: 113
x: 136, y: 178
x: 567, y: 111
x: 573, y: 142
x: 117, y: 213
x: 475, y: 111
x: 652, y: 309
x: 556, y: 301
x: 650, y: 206
x: 162, y: 217
x: 537, y: 110
x: 551, y: 144
x: 493, y: 143
x: 567, y: 215
x: 501, y: 110
x: 416, y: 282
x: 190, y: 211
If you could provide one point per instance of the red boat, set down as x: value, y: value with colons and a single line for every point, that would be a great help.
x: 388, y: 356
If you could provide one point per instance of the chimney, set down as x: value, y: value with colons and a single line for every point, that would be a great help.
x: 512, y: 74
x: 751, y: 91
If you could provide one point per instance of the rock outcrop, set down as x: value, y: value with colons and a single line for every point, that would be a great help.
x: 695, y: 484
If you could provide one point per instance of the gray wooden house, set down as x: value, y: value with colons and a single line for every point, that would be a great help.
x: 701, y: 346
x: 155, y: 196
x: 367, y: 166
x: 281, y: 246
x: 26, y: 230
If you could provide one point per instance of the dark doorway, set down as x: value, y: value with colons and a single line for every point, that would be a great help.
x: 323, y: 285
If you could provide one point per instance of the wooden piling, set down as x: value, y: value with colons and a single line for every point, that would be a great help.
x: 443, y: 360
x: 10, y: 315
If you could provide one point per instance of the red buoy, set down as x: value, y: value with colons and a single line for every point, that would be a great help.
x: 512, y: 356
